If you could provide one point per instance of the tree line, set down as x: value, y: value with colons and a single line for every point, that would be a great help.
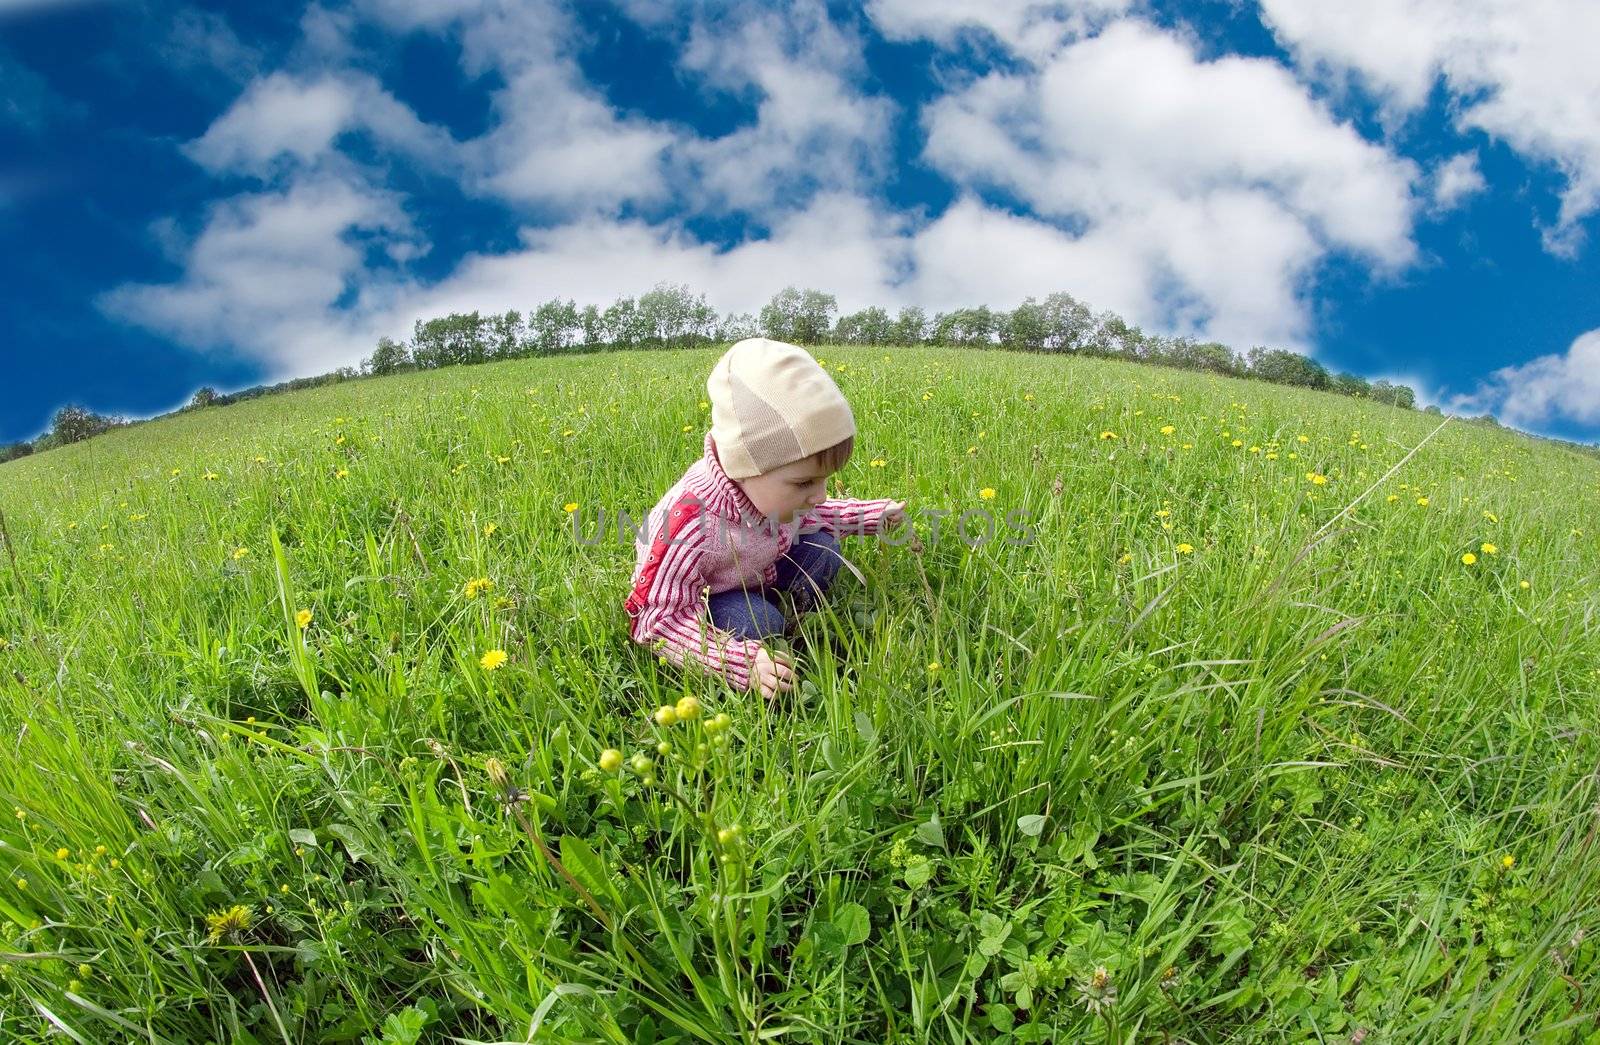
x: 671, y: 315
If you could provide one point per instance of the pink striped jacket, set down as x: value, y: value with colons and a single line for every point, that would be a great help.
x: 705, y: 536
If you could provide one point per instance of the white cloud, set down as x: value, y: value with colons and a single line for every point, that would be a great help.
x: 1031, y: 28
x: 1455, y: 180
x: 1544, y: 391
x: 1522, y: 71
x: 267, y: 271
x: 1216, y: 185
x: 814, y: 130
x: 282, y: 118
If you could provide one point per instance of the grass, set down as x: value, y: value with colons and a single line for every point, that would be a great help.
x: 1228, y: 742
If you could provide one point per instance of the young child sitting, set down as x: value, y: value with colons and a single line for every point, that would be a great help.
x: 751, y: 517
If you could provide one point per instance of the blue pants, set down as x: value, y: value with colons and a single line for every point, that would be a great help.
x: 806, y: 570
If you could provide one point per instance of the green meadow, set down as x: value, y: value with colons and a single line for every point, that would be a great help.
x: 1278, y: 719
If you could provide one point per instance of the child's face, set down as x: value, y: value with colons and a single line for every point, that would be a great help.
x: 786, y: 492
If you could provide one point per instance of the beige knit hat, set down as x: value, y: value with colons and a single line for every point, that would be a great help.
x: 772, y: 405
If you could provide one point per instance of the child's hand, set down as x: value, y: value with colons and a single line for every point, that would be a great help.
x: 774, y: 674
x: 894, y: 515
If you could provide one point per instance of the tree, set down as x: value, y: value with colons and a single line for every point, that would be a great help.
x: 456, y: 339
x: 1283, y: 367
x: 621, y: 322
x: 592, y: 326
x: 73, y: 424
x: 1352, y: 385
x: 205, y: 395
x: 737, y: 328
x: 1068, y: 323
x: 553, y: 327
x: 390, y: 357
x: 1024, y: 327
x: 1394, y: 395
x: 911, y: 326
x: 670, y: 315
x: 12, y: 451
x: 870, y: 326
x: 506, y: 335
x: 801, y: 317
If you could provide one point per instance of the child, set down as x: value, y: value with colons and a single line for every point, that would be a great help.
x: 751, y: 517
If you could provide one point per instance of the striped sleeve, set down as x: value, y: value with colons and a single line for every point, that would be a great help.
x: 843, y: 517
x: 665, y: 603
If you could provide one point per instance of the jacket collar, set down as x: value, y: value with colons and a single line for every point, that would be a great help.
x: 729, y: 497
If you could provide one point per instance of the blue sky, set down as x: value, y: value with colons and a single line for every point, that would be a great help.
x: 228, y: 195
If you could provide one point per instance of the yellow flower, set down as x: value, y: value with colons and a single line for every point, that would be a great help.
x: 1422, y: 501
x: 240, y: 552
x: 1523, y: 584
x: 489, y: 528
x: 1185, y: 549
x: 62, y: 853
x: 1316, y: 478
x: 1302, y: 439
x: 1167, y: 429
x: 570, y: 507
x: 211, y: 475
x: 302, y: 619
x: 1508, y: 861
x: 1469, y: 558
x: 1491, y: 516
x: 493, y: 659
x: 235, y: 919
x: 1108, y: 434
x: 341, y: 473
x: 987, y: 493
x: 933, y: 665
x: 1489, y: 549
x: 1393, y: 498
x: 1237, y: 442
x: 477, y: 586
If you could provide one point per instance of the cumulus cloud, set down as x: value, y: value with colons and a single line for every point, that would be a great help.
x: 1216, y: 186
x: 1195, y: 197
x: 270, y: 270
x: 1455, y: 180
x: 815, y: 128
x: 1029, y: 28
x: 283, y: 117
x: 1521, y: 71
x: 1548, y: 390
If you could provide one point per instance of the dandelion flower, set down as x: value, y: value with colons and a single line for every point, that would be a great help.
x: 1489, y: 549
x: 1185, y: 548
x: 933, y: 665
x: 477, y: 586
x: 62, y: 853
x: 1316, y: 479
x: 1422, y: 502
x: 235, y: 919
x: 1108, y: 434
x: 1469, y: 558
x: 1508, y: 861
x: 987, y: 493
x: 341, y: 473
x: 1523, y: 584
x: 1167, y: 429
x: 240, y: 552
x: 489, y: 528
x: 493, y: 659
x: 570, y: 507
x: 302, y: 619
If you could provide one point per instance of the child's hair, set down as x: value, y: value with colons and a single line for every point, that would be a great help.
x: 836, y: 456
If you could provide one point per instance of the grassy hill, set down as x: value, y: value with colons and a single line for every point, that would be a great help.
x: 1263, y: 724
